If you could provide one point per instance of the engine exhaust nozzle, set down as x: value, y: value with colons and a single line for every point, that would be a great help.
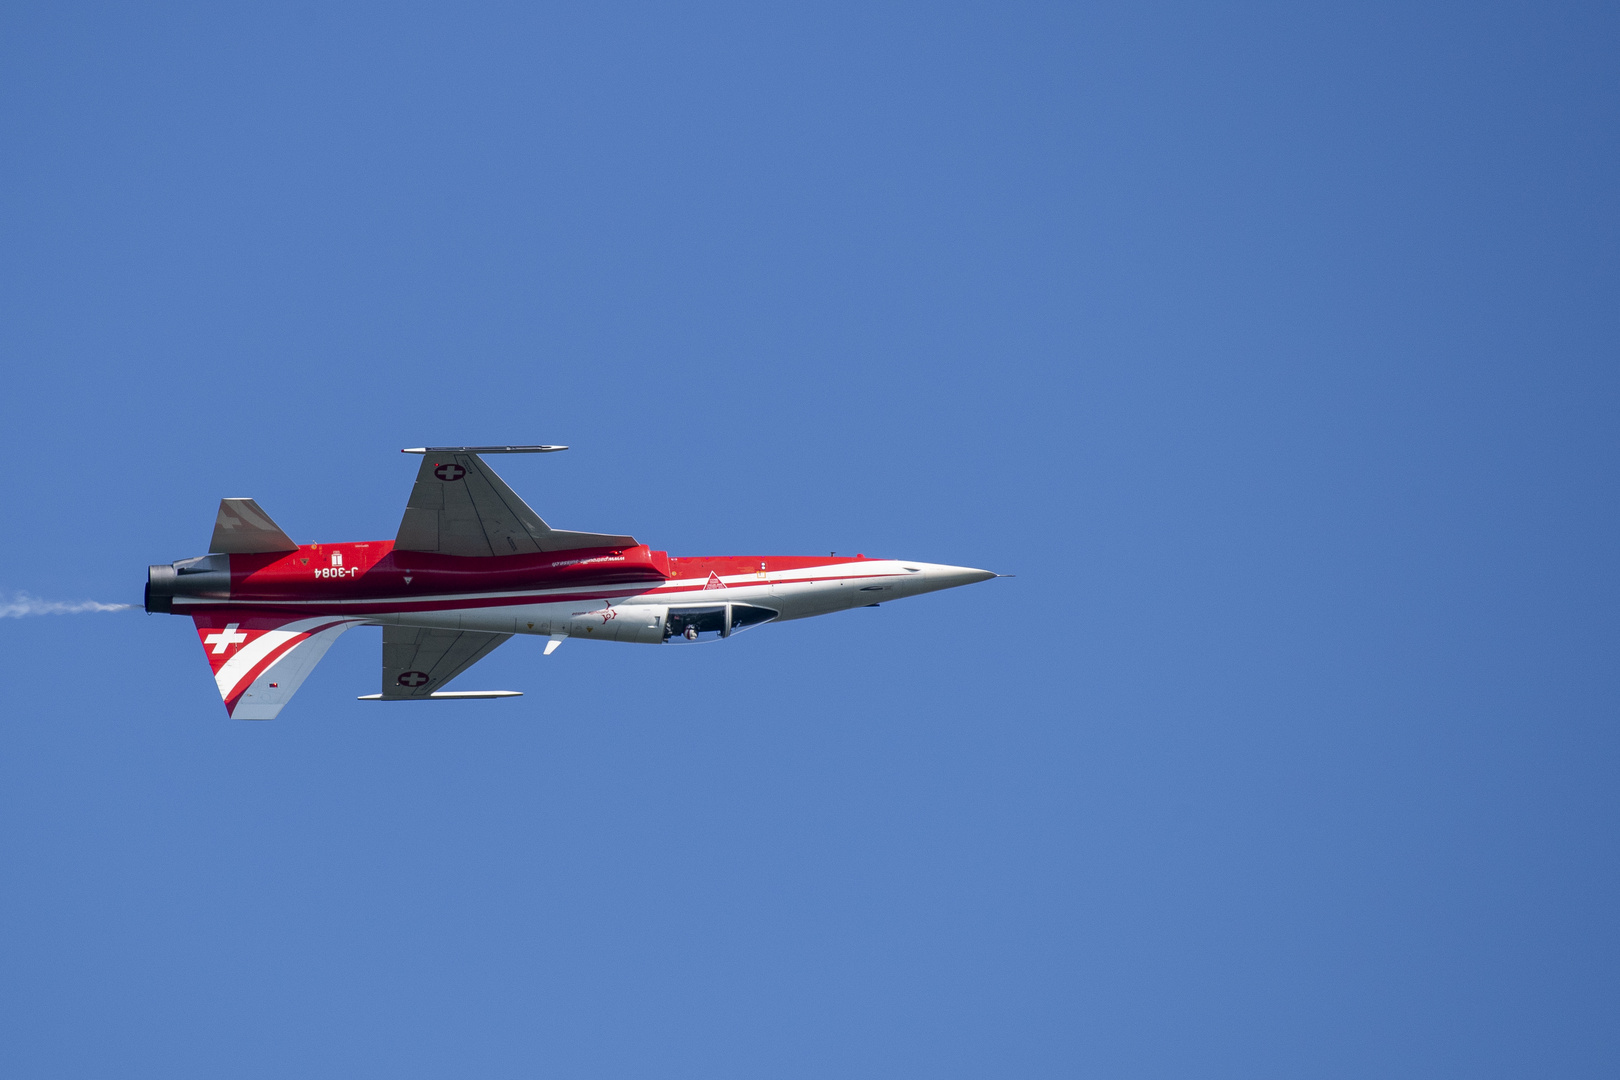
x: 160, y: 588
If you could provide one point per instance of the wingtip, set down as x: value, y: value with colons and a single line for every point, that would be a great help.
x: 449, y: 695
x: 544, y: 449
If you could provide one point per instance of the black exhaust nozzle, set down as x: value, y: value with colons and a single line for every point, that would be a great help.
x: 160, y: 586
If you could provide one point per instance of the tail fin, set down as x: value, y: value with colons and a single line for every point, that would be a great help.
x: 259, y: 661
x: 242, y: 528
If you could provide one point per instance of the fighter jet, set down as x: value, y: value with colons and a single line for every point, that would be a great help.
x: 471, y: 566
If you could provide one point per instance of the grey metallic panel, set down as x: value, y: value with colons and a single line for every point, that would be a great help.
x: 560, y: 540
x: 418, y: 530
x: 241, y: 528
x: 410, y: 653
x: 459, y: 506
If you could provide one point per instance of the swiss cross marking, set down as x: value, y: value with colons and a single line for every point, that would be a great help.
x: 413, y: 679
x: 225, y: 638
x: 452, y: 471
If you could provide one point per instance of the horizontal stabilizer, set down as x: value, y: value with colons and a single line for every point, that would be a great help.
x: 449, y: 695
x: 242, y: 529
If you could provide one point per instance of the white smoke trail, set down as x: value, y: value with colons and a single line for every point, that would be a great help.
x: 22, y: 604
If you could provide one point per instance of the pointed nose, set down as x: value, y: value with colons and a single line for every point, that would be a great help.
x: 949, y: 577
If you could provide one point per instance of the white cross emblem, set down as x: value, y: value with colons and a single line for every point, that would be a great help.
x: 225, y: 638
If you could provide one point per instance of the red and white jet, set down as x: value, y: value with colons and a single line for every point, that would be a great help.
x: 471, y: 566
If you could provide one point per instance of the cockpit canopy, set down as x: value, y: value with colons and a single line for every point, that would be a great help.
x: 708, y: 622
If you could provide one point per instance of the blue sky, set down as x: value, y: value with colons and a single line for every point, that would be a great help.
x: 1273, y: 348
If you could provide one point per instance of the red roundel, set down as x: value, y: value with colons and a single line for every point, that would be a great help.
x: 413, y: 679
x: 451, y: 471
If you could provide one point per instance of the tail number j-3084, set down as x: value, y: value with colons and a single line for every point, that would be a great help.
x: 337, y: 569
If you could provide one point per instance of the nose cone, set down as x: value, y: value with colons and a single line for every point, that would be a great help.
x: 939, y: 576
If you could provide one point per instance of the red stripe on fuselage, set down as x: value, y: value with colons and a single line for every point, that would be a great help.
x: 306, y: 608
x: 357, y: 571
x: 370, y: 578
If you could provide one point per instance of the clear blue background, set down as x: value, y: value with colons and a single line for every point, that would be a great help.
x: 1273, y: 347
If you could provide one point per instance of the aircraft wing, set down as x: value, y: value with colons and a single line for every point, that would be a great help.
x: 417, y: 661
x: 460, y: 507
x: 260, y: 661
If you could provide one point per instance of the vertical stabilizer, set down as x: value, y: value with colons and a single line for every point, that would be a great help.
x: 260, y: 661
